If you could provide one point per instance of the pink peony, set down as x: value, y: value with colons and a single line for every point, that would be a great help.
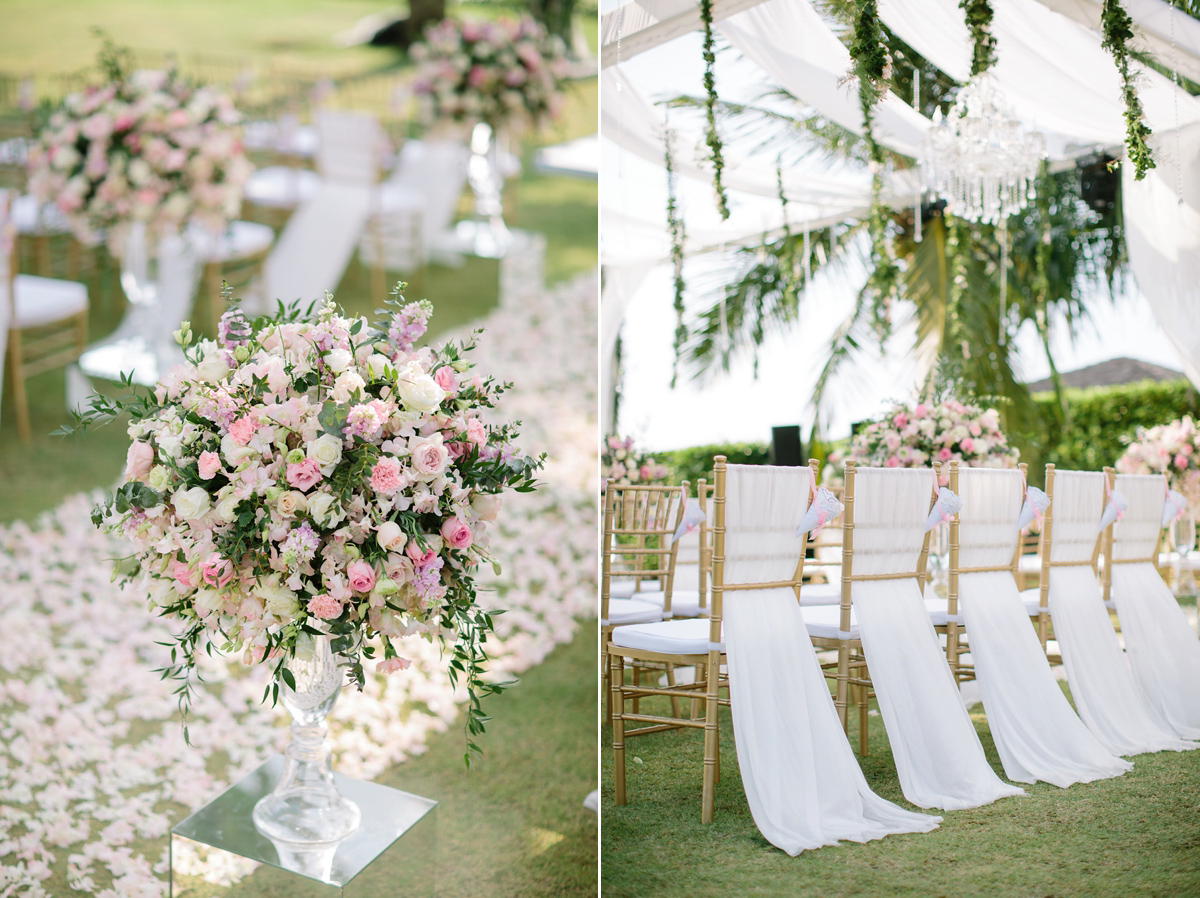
x: 361, y: 575
x: 138, y: 460
x: 325, y: 607
x: 242, y: 430
x: 456, y: 533
x: 208, y: 465
x: 391, y: 665
x: 386, y: 476
x: 303, y: 474
x: 216, y: 571
x: 892, y: 462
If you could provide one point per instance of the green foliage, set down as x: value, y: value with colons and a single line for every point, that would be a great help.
x: 979, y: 21
x: 711, y: 137
x: 1118, y: 31
x: 1102, y: 422
x: 678, y: 235
x: 696, y: 462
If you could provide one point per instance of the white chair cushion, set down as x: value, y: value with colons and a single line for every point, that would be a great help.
x: 670, y: 637
x: 1032, y: 598
x: 281, y: 187
x: 1029, y: 564
x: 684, y: 602
x: 621, y: 589
x: 41, y: 301
x: 820, y: 594
x: 629, y: 611
x: 824, y: 621
x: 238, y: 240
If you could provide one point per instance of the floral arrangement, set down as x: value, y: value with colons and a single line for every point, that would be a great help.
x: 502, y: 73
x: 145, y: 146
x: 304, y: 476
x: 621, y: 463
x: 1172, y: 449
x: 914, y: 436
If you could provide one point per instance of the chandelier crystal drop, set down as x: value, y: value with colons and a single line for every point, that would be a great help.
x: 979, y: 158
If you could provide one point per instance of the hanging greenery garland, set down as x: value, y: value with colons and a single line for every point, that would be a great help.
x: 711, y: 137
x: 1118, y: 31
x: 678, y: 235
x: 979, y: 21
x: 872, y: 66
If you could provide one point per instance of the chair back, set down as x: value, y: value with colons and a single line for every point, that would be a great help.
x: 638, y: 540
x: 1069, y: 529
x: 987, y: 534
x: 1136, y: 535
x: 883, y: 525
x: 350, y: 146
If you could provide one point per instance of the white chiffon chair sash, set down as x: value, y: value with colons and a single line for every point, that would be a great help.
x: 1109, y: 701
x: 1037, y: 734
x: 1162, y: 648
x: 937, y: 752
x: 802, y: 783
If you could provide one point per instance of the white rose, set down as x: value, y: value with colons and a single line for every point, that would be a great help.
x: 207, y: 600
x: 390, y: 536
x: 191, y: 504
x: 326, y: 451
x: 338, y: 360
x: 377, y: 366
x: 213, y: 368
x: 291, y: 503
x: 227, y: 508
x: 486, y: 505
x: 347, y: 383
x: 320, y: 507
x: 279, y: 600
x: 418, y: 391
x: 159, y: 478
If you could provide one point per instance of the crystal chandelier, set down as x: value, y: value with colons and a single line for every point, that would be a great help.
x: 980, y: 159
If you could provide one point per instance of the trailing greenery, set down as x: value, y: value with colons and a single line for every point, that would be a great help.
x: 696, y: 462
x: 979, y: 21
x: 1118, y: 31
x: 711, y: 137
x: 678, y: 236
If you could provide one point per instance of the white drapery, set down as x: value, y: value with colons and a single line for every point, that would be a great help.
x: 802, y: 783
x: 1162, y: 648
x: 1037, y: 733
x: 1108, y: 699
x: 937, y: 752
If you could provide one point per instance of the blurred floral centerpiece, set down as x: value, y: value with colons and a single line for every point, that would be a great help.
x: 913, y: 436
x: 1172, y: 449
x: 309, y: 478
x: 506, y: 74
x: 621, y: 463
x: 143, y: 146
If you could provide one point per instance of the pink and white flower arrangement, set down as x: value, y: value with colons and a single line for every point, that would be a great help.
x: 146, y: 146
x: 620, y: 462
x: 306, y: 476
x: 913, y: 436
x: 505, y: 73
x: 1172, y: 449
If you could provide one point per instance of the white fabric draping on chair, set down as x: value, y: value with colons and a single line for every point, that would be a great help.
x: 1163, y: 651
x: 937, y: 752
x: 802, y: 783
x: 1108, y: 699
x: 1037, y: 733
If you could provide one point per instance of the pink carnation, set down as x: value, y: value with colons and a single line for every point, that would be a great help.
x: 303, y: 474
x: 208, y: 465
x: 391, y: 665
x: 386, y: 477
x: 361, y: 575
x: 325, y: 607
x: 456, y: 533
x: 242, y: 430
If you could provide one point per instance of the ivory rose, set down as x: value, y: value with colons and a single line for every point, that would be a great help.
x: 429, y: 455
x: 390, y: 536
x: 191, y: 504
x: 417, y: 390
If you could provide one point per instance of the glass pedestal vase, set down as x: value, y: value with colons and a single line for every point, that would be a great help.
x: 305, y: 807
x: 485, y: 234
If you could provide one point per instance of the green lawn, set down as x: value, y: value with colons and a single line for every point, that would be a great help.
x: 1134, y: 835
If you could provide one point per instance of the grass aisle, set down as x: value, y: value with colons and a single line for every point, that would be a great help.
x: 1135, y: 835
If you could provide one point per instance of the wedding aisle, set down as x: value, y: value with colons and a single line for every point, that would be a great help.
x: 93, y: 765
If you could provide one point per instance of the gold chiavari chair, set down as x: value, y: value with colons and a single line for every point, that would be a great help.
x: 696, y: 642
x: 1037, y: 599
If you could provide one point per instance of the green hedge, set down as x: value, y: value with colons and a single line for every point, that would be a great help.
x: 1102, y: 422
x: 696, y: 462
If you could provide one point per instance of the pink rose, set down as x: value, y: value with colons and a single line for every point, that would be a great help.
x: 391, y: 665
x: 386, y: 476
x: 967, y: 444
x: 303, y: 474
x: 216, y: 571
x: 138, y: 460
x: 242, y: 430
x: 361, y: 575
x: 921, y: 410
x: 445, y: 378
x: 325, y: 607
x: 456, y: 533
x: 900, y: 421
x: 208, y: 465
x: 1181, y: 461
x: 892, y: 462
x: 429, y: 455
x: 944, y: 453
x: 183, y: 574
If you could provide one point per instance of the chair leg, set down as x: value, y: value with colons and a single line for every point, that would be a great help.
x: 864, y: 747
x: 16, y: 377
x: 637, y: 681
x: 843, y: 677
x: 671, y: 684
x: 617, y: 678
x: 711, y: 740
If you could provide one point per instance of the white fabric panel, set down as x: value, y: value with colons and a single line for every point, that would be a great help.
x: 1037, y: 734
x: 1108, y: 699
x: 315, y: 247
x: 642, y: 25
x: 937, y: 752
x: 351, y: 147
x: 1163, y: 239
x: 794, y: 46
x: 802, y: 783
x: 1161, y: 646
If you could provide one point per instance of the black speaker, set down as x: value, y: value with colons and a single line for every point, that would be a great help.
x: 786, y: 448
